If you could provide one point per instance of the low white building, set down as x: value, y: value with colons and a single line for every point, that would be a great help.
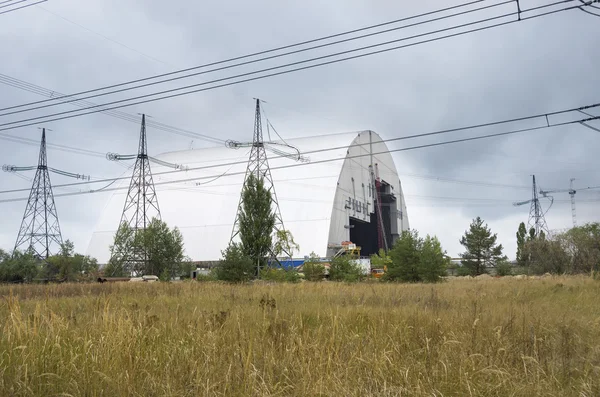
x: 323, y: 202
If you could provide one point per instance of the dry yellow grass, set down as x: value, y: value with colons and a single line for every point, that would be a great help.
x: 462, y: 338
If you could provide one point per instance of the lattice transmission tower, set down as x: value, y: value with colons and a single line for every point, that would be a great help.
x: 40, y: 229
x: 258, y: 165
x: 537, y: 219
x: 141, y: 203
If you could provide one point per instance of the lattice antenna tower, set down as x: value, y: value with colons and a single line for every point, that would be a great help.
x: 258, y: 165
x: 40, y: 228
x: 537, y: 219
x: 141, y: 204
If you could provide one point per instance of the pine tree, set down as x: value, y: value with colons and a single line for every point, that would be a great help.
x: 256, y: 221
x: 481, y: 248
x: 521, y: 234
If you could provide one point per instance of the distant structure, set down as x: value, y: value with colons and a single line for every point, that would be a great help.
x: 141, y: 203
x: 40, y: 229
x: 537, y: 219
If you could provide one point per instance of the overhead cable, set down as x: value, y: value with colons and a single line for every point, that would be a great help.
x: 36, y: 89
x: 21, y: 7
x: 121, y: 102
x: 321, y: 161
x: 543, y: 116
x: 237, y: 58
x: 273, y: 57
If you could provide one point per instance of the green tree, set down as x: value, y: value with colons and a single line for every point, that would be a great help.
x: 123, y: 244
x: 256, y: 220
x: 405, y: 256
x: 432, y: 260
x: 236, y: 266
x: 70, y: 266
x: 481, y: 248
x: 163, y: 246
x: 521, y: 235
x: 546, y: 256
x: 582, y: 243
x: 18, y: 267
x: 284, y: 244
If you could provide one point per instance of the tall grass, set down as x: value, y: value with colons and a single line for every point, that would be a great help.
x: 462, y: 338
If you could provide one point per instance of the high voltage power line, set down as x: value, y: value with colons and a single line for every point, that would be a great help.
x: 319, y: 161
x: 259, y: 53
x: 36, y: 89
x: 15, y: 2
x: 544, y: 116
x: 68, y: 114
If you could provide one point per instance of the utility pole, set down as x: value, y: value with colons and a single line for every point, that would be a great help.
x: 141, y: 205
x: 258, y: 165
x: 536, y: 220
x: 40, y: 229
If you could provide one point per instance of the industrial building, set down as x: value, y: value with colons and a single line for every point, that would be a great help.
x: 326, y: 201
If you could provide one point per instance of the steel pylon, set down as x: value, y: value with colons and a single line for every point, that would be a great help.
x: 537, y: 220
x: 40, y: 229
x: 258, y: 165
x: 141, y: 205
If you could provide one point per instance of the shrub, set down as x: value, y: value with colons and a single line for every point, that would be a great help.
x: 342, y: 269
x: 503, y: 268
x: 206, y: 277
x: 236, y: 266
x: 313, y: 269
x: 280, y: 275
x: 463, y: 271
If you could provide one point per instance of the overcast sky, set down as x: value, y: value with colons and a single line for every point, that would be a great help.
x: 530, y: 67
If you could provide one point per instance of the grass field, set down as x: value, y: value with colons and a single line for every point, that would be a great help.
x: 498, y: 337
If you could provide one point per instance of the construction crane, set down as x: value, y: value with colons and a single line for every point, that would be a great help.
x: 571, y: 190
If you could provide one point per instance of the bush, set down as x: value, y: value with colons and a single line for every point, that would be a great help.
x: 313, y: 269
x: 503, y: 268
x: 463, y: 271
x: 342, y: 269
x: 236, y: 266
x: 280, y: 275
x: 18, y: 268
x: 546, y: 256
x: 202, y: 278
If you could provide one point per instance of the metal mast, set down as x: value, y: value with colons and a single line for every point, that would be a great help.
x: 141, y: 204
x: 536, y: 215
x: 572, y: 194
x: 40, y: 230
x: 258, y: 165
